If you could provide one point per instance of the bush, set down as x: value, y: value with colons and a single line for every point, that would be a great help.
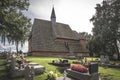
x: 79, y: 68
x: 51, y: 76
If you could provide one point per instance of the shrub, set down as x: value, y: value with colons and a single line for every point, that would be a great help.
x: 79, y: 68
x: 51, y: 76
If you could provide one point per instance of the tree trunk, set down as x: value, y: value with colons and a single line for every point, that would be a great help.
x: 17, y: 47
x: 117, y: 50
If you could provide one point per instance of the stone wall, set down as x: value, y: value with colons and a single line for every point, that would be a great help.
x: 56, y: 54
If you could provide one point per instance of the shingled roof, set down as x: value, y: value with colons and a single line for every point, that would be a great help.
x: 43, y: 38
x: 64, y: 31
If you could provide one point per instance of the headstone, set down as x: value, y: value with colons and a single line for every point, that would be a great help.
x: 65, y: 75
x: 13, y: 62
x: 8, y: 56
x: 93, y: 68
x: 115, y: 56
x: 19, y: 61
x: 102, y: 59
x: 107, y: 60
x: 29, y: 73
x: 71, y: 53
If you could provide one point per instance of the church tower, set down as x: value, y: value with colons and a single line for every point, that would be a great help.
x: 53, y: 22
x: 53, y: 16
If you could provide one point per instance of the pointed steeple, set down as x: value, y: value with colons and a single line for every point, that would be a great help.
x: 53, y: 16
x: 53, y: 13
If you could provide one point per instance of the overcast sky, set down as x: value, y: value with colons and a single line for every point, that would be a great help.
x: 75, y: 13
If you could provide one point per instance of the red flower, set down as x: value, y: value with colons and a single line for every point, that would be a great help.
x: 79, y: 68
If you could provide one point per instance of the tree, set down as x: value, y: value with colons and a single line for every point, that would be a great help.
x: 88, y: 38
x: 85, y: 35
x: 13, y: 24
x: 106, y: 23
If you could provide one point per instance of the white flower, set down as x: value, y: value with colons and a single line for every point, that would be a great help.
x: 51, y: 72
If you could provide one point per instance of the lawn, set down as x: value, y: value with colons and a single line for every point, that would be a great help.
x: 3, y: 73
x: 44, y: 61
x: 106, y: 73
x: 110, y: 73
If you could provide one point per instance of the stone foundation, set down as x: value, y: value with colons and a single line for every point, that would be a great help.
x: 56, y: 54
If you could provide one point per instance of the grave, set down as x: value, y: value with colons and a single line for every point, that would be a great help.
x: 29, y: 73
x: 13, y: 62
x: 71, y: 55
x: 91, y: 75
x: 107, y: 60
x: 18, y: 70
x: 104, y: 60
x: 61, y: 63
x: 113, y: 65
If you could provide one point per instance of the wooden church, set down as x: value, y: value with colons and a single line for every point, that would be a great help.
x: 53, y: 38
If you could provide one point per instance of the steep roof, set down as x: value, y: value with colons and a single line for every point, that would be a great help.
x: 43, y: 38
x: 64, y: 31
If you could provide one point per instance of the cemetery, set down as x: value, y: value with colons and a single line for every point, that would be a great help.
x: 18, y: 66
x: 39, y: 68
x: 61, y: 63
x: 106, y: 62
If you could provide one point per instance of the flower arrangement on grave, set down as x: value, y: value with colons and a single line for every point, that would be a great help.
x: 79, y: 68
x: 51, y: 76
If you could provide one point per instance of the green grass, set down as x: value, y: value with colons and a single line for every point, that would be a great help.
x: 106, y: 73
x: 2, y: 70
x: 93, y: 59
x: 44, y: 61
x: 110, y: 73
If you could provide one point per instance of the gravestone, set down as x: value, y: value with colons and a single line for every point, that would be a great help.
x: 71, y: 53
x: 93, y: 68
x: 65, y: 75
x: 115, y: 56
x: 29, y: 73
x: 102, y: 59
x: 107, y: 60
x: 8, y: 57
x: 13, y: 62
